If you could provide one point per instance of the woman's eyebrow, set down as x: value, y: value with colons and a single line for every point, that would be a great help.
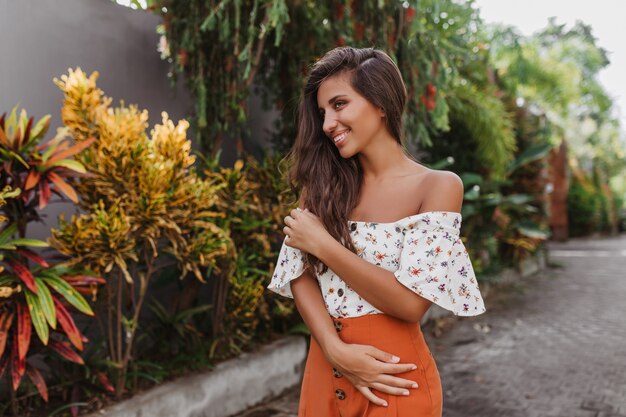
x: 332, y: 100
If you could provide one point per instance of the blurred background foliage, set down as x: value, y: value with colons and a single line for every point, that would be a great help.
x: 182, y: 247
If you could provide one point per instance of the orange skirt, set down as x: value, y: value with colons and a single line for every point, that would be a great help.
x: 326, y: 393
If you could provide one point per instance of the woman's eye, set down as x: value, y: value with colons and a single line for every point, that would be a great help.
x: 339, y: 104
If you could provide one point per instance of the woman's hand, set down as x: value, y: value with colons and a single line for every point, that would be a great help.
x: 306, y: 232
x: 367, y: 367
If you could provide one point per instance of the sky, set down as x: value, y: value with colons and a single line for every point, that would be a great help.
x: 606, y: 17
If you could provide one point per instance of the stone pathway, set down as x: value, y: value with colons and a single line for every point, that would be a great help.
x: 551, y: 346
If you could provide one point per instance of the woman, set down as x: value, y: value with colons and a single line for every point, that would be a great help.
x: 373, y: 244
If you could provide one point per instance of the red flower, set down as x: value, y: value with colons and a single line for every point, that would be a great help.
x: 410, y: 14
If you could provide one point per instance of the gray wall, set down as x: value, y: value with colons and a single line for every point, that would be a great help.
x: 41, y: 39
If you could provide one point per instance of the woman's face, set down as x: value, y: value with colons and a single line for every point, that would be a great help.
x: 350, y: 121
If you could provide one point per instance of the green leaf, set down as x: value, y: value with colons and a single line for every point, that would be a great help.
x: 30, y: 242
x: 40, y: 128
x: 530, y: 155
x: 471, y: 178
x: 68, y: 292
x: 37, y: 315
x: 19, y: 158
x: 6, y: 280
x: 472, y: 194
x: 8, y: 232
x: 533, y: 232
x: 70, y: 164
x: 518, y: 199
x: 47, y: 305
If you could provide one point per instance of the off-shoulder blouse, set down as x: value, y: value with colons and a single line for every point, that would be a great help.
x: 424, y: 251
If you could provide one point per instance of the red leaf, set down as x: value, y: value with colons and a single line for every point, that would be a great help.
x: 24, y: 329
x: 35, y: 376
x: 4, y: 361
x: 27, y: 253
x: 84, y: 279
x: 104, y: 380
x: 63, y: 186
x: 64, y: 349
x: 17, y: 138
x: 79, y: 147
x: 44, y: 194
x: 32, y: 179
x: 85, y: 291
x: 67, y: 323
x: 28, y: 128
x: 24, y: 274
x: 6, y: 319
x: 18, y: 366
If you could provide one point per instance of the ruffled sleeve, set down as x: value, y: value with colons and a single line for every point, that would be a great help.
x: 289, y: 266
x: 434, y: 264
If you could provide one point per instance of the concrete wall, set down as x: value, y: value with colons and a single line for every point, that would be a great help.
x: 41, y: 39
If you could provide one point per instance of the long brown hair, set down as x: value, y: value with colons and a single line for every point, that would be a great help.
x: 330, y: 185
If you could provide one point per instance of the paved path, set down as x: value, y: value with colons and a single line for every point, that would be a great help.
x: 552, y: 346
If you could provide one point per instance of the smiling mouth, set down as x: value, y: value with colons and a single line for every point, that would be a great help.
x: 341, y: 137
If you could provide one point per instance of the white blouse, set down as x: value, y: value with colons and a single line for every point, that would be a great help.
x: 423, y: 251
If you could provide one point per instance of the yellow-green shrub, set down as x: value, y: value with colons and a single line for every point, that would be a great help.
x: 145, y: 206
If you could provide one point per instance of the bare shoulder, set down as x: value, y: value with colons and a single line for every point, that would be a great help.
x: 443, y: 192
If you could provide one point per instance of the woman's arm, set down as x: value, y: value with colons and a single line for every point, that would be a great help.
x: 365, y: 366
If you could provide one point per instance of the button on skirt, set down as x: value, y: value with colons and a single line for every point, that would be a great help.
x: 327, y: 393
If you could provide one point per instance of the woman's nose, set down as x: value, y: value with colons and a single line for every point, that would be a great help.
x: 330, y: 123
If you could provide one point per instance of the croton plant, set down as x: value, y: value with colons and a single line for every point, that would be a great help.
x: 36, y: 293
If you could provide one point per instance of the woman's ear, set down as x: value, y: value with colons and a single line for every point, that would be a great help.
x: 381, y: 111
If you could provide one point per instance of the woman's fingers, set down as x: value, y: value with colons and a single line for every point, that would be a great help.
x: 389, y: 389
x: 382, y: 355
x: 394, y: 381
x: 396, y: 368
x: 390, y: 363
x: 367, y: 393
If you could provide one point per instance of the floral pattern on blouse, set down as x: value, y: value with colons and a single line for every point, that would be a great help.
x: 424, y: 251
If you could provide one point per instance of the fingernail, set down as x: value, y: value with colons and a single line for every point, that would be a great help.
x: 385, y: 404
x: 414, y: 386
x: 414, y: 367
x: 405, y: 393
x: 395, y: 359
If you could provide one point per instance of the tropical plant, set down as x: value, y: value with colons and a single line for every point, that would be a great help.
x: 494, y: 224
x: 34, y: 293
x: 145, y: 208
x: 254, y: 201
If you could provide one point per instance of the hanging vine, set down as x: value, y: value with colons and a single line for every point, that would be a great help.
x: 225, y: 48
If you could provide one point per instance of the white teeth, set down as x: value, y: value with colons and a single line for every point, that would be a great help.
x: 340, y: 137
